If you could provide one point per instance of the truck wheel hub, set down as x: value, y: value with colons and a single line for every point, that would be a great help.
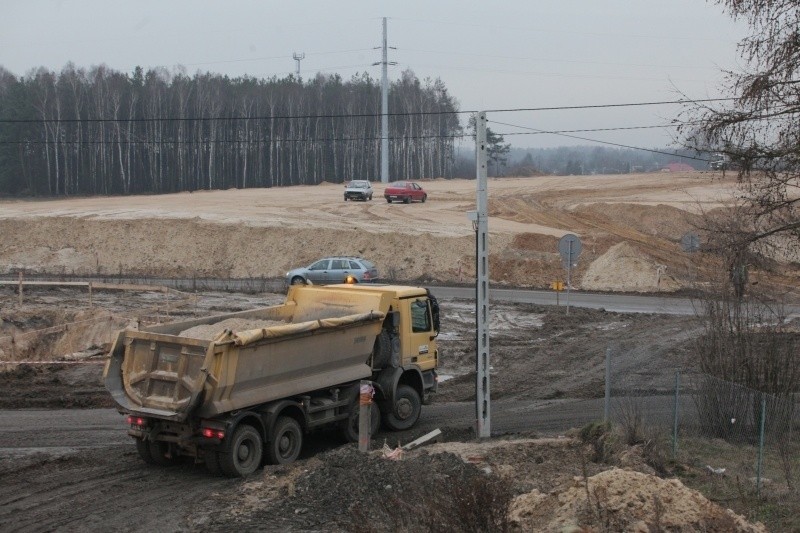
x: 243, y: 452
x: 403, y: 409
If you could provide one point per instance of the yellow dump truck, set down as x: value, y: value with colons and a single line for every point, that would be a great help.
x: 242, y: 389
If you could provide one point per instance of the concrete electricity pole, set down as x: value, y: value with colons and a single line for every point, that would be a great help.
x: 481, y: 223
x: 298, y: 57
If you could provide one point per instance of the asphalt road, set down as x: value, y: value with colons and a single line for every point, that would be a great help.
x: 621, y: 303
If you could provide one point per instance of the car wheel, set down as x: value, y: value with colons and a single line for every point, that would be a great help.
x: 389, y: 200
x: 424, y: 197
x: 407, y: 200
x: 298, y: 280
x: 345, y: 198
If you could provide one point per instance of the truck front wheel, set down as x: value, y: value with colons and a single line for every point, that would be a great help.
x: 286, y: 441
x: 404, y: 413
x: 243, y: 454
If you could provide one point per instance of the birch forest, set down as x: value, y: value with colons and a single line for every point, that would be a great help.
x: 100, y: 131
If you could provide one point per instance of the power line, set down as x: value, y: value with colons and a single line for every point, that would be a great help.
x: 604, y: 142
x: 338, y: 139
x: 364, y: 115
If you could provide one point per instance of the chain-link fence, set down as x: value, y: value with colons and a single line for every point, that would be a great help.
x: 741, y: 439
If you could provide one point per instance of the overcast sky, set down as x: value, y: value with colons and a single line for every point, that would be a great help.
x: 492, y: 55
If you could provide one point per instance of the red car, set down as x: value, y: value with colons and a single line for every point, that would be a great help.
x: 404, y: 191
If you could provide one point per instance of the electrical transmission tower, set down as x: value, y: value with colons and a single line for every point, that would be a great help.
x: 298, y: 57
x: 385, y: 107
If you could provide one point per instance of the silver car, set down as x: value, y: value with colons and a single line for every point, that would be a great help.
x: 358, y: 190
x: 334, y: 270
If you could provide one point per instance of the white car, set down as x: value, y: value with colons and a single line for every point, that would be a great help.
x: 358, y: 190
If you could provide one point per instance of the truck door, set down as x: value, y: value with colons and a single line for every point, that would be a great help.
x: 418, y: 346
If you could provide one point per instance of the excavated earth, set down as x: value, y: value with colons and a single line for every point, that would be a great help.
x: 66, y: 463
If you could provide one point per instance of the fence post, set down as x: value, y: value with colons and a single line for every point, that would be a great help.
x: 20, y: 288
x: 760, y: 444
x: 364, y: 414
x: 90, y: 295
x: 607, y: 402
x: 675, y: 411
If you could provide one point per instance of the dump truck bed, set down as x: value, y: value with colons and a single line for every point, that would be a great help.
x: 158, y: 372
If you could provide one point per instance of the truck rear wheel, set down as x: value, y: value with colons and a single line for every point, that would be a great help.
x: 212, y: 462
x: 404, y: 413
x: 285, y: 442
x: 154, y: 452
x: 244, y: 452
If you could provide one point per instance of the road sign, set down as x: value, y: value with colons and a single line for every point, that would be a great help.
x: 557, y: 285
x: 569, y: 246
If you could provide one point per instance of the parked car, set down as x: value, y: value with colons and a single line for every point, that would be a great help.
x: 404, y: 191
x: 334, y: 270
x: 358, y: 190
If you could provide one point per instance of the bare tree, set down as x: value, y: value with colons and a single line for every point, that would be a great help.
x: 759, y: 131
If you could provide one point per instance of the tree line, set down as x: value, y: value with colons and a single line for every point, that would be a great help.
x: 101, y: 131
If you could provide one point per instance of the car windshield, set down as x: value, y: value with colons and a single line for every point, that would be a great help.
x: 359, y: 184
x: 367, y: 264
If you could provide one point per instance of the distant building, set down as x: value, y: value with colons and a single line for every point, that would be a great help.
x: 678, y: 167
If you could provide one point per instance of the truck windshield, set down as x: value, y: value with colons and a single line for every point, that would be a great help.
x: 420, y: 318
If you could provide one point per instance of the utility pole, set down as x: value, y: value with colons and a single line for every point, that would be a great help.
x: 385, y: 107
x: 298, y: 57
x: 481, y: 223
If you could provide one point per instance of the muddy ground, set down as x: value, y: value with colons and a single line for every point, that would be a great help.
x: 77, y: 470
x: 67, y: 464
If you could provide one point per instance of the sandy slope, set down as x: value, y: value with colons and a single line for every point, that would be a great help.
x: 264, y: 232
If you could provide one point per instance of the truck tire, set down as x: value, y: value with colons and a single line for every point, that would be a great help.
x: 154, y: 453
x: 213, y: 462
x: 382, y: 350
x: 349, y: 426
x: 243, y: 454
x: 286, y: 441
x: 404, y: 413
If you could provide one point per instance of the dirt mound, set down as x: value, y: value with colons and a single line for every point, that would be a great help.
x: 625, y: 267
x: 655, y: 220
x: 37, y: 333
x: 347, y: 490
x: 621, y: 500
x: 466, y: 486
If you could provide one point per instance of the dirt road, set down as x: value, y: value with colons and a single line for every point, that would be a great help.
x: 76, y: 469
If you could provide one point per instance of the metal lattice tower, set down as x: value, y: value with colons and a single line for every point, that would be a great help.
x: 298, y: 57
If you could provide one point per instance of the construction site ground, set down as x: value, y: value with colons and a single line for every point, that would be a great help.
x: 67, y: 464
